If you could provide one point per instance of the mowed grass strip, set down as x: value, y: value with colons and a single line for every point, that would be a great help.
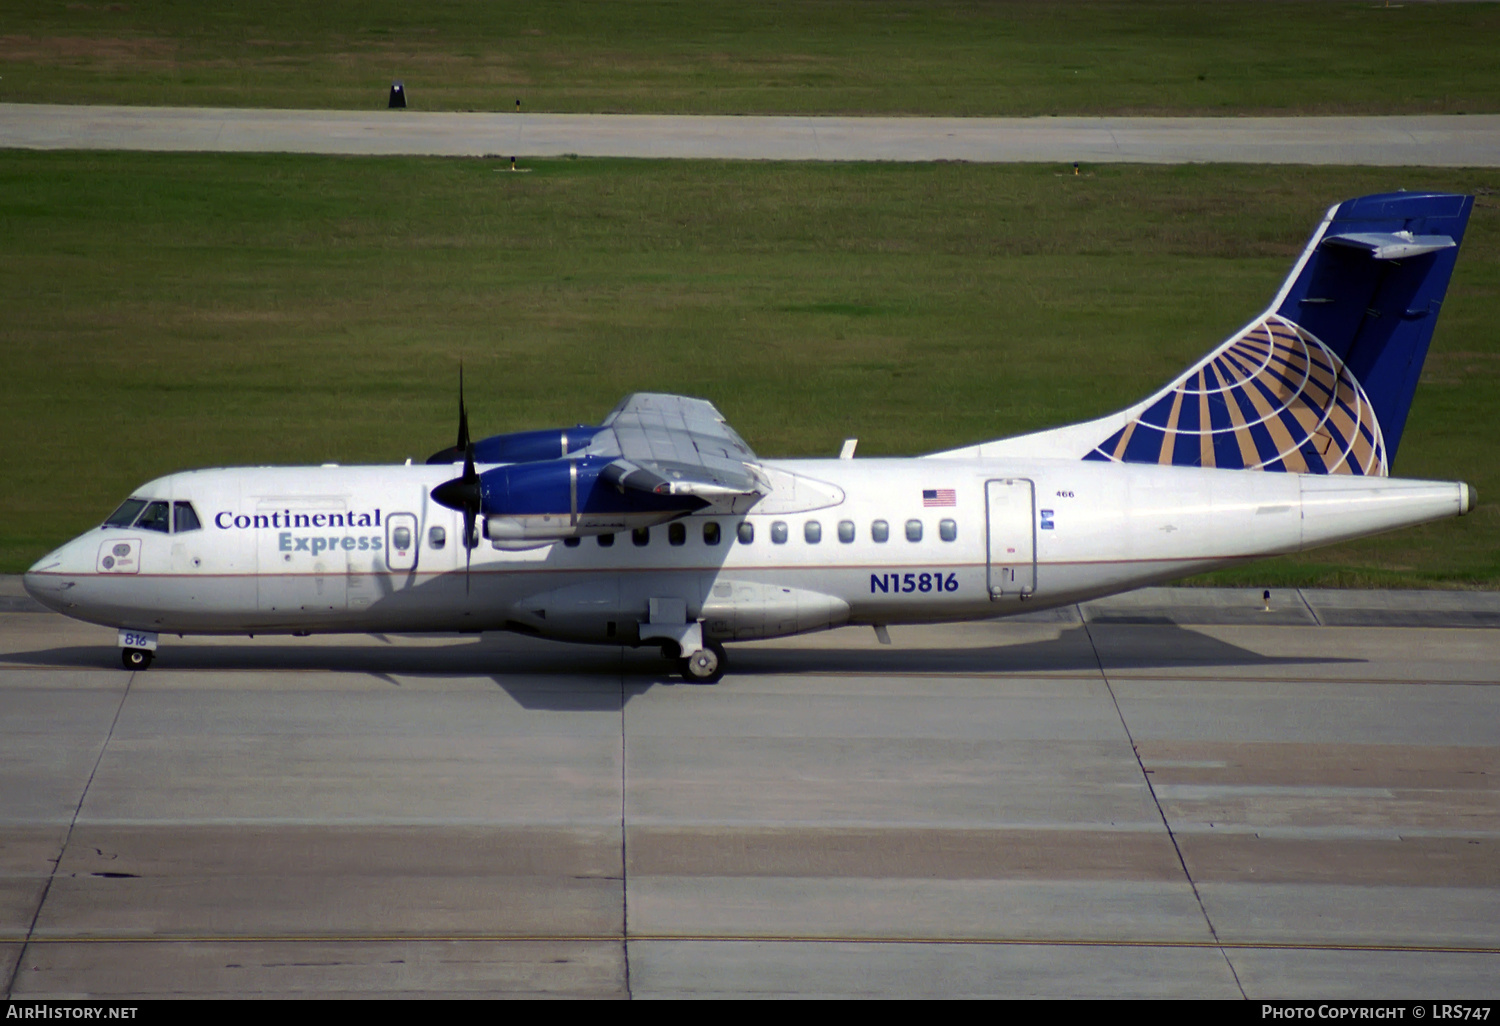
x: 1023, y: 57
x: 174, y: 311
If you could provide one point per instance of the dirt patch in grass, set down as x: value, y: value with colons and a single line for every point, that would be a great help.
x: 112, y: 51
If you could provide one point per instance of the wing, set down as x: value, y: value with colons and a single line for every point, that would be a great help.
x: 673, y: 445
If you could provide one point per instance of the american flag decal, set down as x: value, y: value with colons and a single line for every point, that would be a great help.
x: 939, y: 497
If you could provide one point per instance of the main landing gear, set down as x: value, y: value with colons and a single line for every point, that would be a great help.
x: 705, y: 666
x: 136, y: 658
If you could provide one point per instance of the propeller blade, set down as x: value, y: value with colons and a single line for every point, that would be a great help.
x: 452, y: 453
x: 471, y: 479
x: 464, y: 495
x: 463, y: 413
x: 468, y: 547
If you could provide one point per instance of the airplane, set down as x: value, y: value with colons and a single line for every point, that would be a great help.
x: 661, y: 527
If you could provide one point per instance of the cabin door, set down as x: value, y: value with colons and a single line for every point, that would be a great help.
x: 302, y: 556
x: 1010, y: 506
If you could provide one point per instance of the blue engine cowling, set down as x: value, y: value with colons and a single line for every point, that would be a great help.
x: 529, y: 504
x: 523, y: 446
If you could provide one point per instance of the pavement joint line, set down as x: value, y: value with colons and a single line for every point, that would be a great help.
x: 1308, y: 606
x: 624, y: 837
x: 1165, y: 821
x: 10, y: 984
x: 753, y: 938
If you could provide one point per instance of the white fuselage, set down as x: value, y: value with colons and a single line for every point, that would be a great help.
x: 311, y: 549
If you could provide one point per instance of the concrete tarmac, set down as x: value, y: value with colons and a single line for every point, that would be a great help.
x: 1406, y: 140
x: 1108, y: 801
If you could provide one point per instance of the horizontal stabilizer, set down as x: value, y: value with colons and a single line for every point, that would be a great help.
x: 1392, y: 245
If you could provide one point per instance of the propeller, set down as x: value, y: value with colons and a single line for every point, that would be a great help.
x: 463, y: 447
x: 462, y: 494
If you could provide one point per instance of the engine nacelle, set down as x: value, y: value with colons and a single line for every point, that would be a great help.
x: 523, y: 446
x: 526, y: 505
x: 530, y: 446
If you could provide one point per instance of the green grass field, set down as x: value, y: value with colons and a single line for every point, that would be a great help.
x: 169, y: 311
x: 1023, y: 57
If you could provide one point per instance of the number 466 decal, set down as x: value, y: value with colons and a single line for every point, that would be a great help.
x: 919, y: 581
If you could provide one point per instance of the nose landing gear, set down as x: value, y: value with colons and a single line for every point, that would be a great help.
x: 137, y: 648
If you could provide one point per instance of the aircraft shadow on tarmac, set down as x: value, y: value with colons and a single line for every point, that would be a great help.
x: 556, y: 676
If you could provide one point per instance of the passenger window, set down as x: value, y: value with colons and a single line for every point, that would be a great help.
x: 184, y: 517
x: 746, y: 532
x: 156, y: 518
x: 813, y: 532
x: 572, y: 543
x: 711, y: 533
x: 676, y: 533
x: 606, y: 540
x: 778, y: 533
x: 914, y: 530
x: 126, y: 514
x: 401, y: 538
x: 846, y: 531
x: 437, y: 537
x: 641, y: 536
x: 948, y: 530
x: 880, y: 531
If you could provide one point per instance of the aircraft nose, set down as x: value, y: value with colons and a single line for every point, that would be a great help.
x: 29, y: 582
x: 52, y: 576
x: 42, y: 586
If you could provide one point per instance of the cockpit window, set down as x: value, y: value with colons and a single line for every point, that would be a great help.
x: 156, y: 518
x: 184, y: 517
x: 126, y: 514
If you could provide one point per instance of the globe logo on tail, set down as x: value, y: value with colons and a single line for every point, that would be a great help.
x: 1273, y: 398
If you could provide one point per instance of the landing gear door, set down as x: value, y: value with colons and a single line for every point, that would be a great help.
x: 1010, y: 508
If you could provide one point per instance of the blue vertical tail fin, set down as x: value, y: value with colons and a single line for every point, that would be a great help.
x: 1371, y: 289
x: 1322, y: 382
